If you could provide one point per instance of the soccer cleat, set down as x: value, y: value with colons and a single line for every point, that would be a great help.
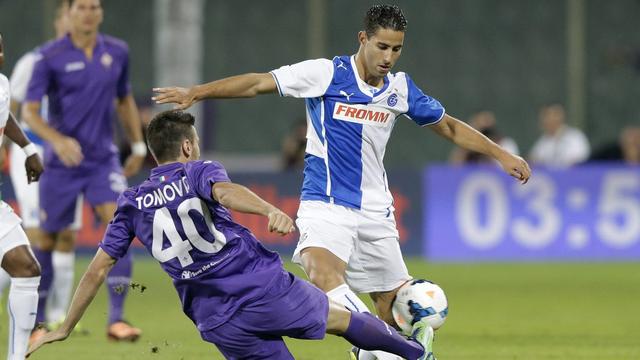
x: 423, y: 334
x: 123, y: 331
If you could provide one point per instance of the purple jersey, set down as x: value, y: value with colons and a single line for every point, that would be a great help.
x: 81, y: 93
x: 216, y: 264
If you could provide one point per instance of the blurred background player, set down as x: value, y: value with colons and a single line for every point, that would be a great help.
x: 27, y: 195
x: 348, y: 236
x: 560, y: 144
x: 213, y: 259
x: 82, y: 74
x: 16, y: 257
x: 485, y: 123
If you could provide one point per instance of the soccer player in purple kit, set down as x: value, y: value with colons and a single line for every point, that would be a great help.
x: 235, y: 291
x: 82, y: 74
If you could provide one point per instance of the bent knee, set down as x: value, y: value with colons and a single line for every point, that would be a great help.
x: 24, y: 269
x: 325, y: 278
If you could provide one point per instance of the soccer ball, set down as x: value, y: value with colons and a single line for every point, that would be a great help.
x: 420, y: 299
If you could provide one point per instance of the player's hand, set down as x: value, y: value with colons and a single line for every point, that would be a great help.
x: 34, y: 168
x: 515, y: 166
x: 280, y: 222
x: 182, y: 97
x: 132, y: 165
x: 53, y: 336
x: 68, y: 150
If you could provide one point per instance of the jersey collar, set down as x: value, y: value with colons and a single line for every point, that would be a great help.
x: 363, y: 86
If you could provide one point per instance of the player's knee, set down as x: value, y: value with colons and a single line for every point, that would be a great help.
x: 24, y: 268
x: 326, y: 279
x: 45, y: 242
x: 65, y: 241
x: 32, y: 269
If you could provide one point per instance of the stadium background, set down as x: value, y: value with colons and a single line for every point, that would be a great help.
x: 511, y: 57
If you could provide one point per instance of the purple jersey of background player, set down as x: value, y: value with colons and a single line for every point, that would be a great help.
x: 226, y: 267
x: 81, y: 93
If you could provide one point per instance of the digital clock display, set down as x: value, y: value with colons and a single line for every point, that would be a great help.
x: 479, y: 213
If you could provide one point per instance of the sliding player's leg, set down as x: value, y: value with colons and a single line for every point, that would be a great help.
x: 367, y: 332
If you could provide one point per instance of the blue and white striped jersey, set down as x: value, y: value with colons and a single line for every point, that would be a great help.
x: 349, y: 124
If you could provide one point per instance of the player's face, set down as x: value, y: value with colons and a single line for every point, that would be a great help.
x: 381, y: 50
x: 85, y: 15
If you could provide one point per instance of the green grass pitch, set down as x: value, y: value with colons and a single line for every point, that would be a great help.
x: 497, y: 311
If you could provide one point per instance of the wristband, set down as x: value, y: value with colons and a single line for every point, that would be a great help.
x: 30, y: 149
x: 139, y: 148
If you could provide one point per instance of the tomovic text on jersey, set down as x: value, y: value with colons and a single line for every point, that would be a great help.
x: 165, y: 194
x: 362, y: 114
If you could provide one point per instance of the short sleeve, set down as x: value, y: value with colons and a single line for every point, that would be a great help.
x: 40, y: 80
x: 423, y: 109
x: 307, y: 79
x: 119, y: 233
x: 202, y: 175
x: 21, y: 75
x: 124, y: 86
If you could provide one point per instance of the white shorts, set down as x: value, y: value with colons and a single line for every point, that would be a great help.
x: 367, y: 241
x: 27, y: 194
x: 11, y: 233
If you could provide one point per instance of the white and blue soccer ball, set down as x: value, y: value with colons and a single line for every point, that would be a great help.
x: 420, y: 299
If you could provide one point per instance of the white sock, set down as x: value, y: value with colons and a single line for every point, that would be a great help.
x: 60, y: 293
x: 22, y: 306
x: 348, y: 298
x: 5, y: 280
x: 351, y: 301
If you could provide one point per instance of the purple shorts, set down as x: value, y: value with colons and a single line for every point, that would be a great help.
x: 60, y: 188
x: 293, y: 308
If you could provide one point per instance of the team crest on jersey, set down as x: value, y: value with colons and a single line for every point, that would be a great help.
x: 106, y: 60
x: 392, y: 100
x: 363, y: 114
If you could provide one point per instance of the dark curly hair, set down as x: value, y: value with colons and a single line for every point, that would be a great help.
x: 385, y: 17
x: 167, y: 131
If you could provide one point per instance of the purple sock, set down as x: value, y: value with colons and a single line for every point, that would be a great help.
x: 370, y: 333
x: 118, y: 282
x: 46, y: 278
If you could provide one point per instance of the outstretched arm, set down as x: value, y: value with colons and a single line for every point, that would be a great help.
x: 239, y: 198
x: 240, y: 86
x: 471, y: 139
x: 86, y: 291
